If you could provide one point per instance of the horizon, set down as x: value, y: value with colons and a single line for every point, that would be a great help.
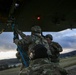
x: 66, y: 38
x: 14, y: 53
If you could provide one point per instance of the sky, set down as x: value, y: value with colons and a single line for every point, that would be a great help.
x: 66, y: 38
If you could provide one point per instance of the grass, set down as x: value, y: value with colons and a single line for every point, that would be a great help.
x: 13, y: 71
x: 64, y: 62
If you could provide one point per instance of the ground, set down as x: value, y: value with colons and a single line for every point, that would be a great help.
x: 71, y: 70
x: 68, y: 63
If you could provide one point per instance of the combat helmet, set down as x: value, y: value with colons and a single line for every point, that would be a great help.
x: 36, y: 29
x: 49, y: 36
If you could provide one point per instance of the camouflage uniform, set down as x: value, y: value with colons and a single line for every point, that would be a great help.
x: 32, y: 40
x: 55, y: 48
x: 55, y: 51
x: 41, y: 66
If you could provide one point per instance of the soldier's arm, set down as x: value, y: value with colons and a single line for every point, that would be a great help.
x: 19, y: 42
x: 23, y: 36
x: 26, y: 39
x: 59, y: 47
x: 16, y: 39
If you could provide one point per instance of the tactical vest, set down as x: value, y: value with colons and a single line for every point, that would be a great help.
x: 36, y: 40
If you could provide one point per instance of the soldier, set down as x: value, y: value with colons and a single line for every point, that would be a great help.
x: 54, y: 47
x: 38, y: 52
x: 21, y: 50
x: 55, y: 51
x: 31, y: 41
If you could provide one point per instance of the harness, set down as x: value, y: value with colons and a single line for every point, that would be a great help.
x: 23, y: 54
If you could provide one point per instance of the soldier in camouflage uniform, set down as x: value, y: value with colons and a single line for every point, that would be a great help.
x: 55, y: 51
x: 32, y: 40
x: 41, y: 66
x: 54, y: 47
x: 38, y: 52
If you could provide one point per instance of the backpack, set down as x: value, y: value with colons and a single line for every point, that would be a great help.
x: 56, y: 46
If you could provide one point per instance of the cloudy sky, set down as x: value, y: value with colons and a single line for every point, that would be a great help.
x: 66, y: 38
